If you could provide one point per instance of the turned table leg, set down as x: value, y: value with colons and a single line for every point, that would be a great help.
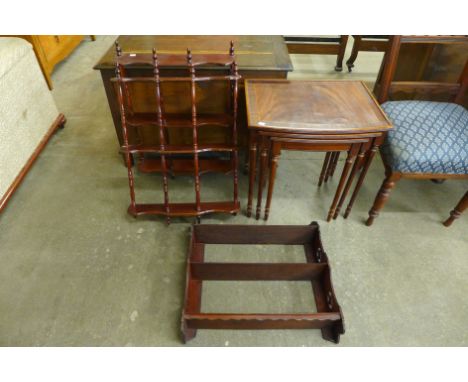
x: 276, y: 151
x: 334, y: 163
x: 357, y: 165
x: 331, y: 165
x: 368, y: 161
x: 252, y: 170
x: 324, y: 167
x: 347, y: 166
x: 261, y: 175
x: 457, y: 211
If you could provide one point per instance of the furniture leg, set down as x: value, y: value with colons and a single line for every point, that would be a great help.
x: 324, y: 167
x: 245, y: 169
x: 165, y: 188
x: 261, y: 180
x: 368, y: 161
x: 457, y: 211
x: 347, y: 166
x: 357, y: 164
x: 335, y: 162
x: 235, y: 175
x: 382, y: 196
x: 341, y: 52
x: 193, y: 291
x: 276, y: 152
x: 252, y: 170
x: 354, y: 53
x: 131, y: 183
x: 331, y: 164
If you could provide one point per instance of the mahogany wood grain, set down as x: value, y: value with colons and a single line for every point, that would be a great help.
x: 311, y: 115
x: 313, y: 107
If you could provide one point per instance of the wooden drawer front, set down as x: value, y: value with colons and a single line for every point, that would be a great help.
x: 57, y: 47
x: 50, y: 46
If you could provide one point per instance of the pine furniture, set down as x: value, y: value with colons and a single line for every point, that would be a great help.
x: 51, y: 49
x: 29, y: 116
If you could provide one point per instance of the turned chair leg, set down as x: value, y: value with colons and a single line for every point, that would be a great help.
x: 457, y: 211
x: 382, y: 196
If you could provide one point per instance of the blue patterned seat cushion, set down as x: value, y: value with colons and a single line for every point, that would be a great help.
x: 428, y: 137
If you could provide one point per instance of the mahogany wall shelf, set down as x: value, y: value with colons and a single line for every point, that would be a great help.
x: 163, y: 155
x: 316, y: 269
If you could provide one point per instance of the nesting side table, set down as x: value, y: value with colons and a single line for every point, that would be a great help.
x: 316, y: 269
x: 329, y: 116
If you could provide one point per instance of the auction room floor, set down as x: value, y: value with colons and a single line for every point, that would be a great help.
x: 77, y: 270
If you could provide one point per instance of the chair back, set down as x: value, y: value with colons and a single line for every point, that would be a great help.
x: 454, y: 91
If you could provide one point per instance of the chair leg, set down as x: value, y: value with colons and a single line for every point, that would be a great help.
x: 339, y: 59
x: 382, y: 196
x: 457, y: 211
x: 354, y: 53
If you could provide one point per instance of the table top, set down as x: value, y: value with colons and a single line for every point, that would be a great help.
x: 252, y: 52
x: 328, y: 106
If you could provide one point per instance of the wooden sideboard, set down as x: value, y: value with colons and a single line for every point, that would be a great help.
x: 50, y: 50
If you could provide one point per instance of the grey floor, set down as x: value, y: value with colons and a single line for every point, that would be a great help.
x: 76, y: 270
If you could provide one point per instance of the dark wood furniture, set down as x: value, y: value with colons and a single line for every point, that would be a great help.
x: 316, y: 269
x: 366, y: 43
x: 457, y: 211
x: 161, y: 120
x: 328, y: 116
x: 319, y: 45
x: 387, y: 86
x: 257, y: 57
x: 425, y: 59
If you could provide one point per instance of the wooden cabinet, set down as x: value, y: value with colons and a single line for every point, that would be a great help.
x: 50, y: 50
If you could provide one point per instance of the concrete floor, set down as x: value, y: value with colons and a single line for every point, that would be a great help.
x: 76, y: 270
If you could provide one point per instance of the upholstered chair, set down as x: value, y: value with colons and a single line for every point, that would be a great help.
x: 429, y: 139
